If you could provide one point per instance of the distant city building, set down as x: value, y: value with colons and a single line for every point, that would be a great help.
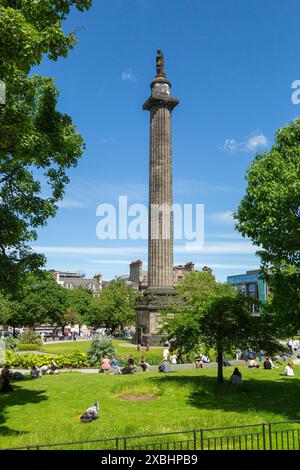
x: 139, y: 278
x: 72, y: 280
x: 252, y: 285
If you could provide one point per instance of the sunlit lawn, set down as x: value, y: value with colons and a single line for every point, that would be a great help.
x: 83, y: 346
x: 47, y: 409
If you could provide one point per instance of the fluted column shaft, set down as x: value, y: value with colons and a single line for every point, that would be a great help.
x: 160, y: 243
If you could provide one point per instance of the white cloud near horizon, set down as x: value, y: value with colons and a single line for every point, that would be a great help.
x: 70, y: 203
x: 257, y: 140
x: 87, y: 192
x: 242, y: 248
x: 223, y: 217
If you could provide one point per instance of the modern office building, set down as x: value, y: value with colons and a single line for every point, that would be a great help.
x: 251, y: 284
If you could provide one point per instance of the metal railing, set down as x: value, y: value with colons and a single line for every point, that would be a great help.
x: 265, y: 436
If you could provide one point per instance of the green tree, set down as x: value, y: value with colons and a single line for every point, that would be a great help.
x: 80, y: 300
x: 115, y: 307
x: 38, y: 144
x: 269, y: 215
x: 70, y: 317
x: 42, y: 301
x: 217, y: 316
x: 5, y: 310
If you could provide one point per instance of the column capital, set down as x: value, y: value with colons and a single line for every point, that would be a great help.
x: 157, y: 99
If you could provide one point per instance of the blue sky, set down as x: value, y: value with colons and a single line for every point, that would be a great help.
x: 230, y: 62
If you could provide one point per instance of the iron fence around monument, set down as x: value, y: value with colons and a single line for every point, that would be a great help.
x: 264, y: 436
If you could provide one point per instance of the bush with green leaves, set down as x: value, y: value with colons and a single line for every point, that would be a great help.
x: 76, y: 360
x: 10, y: 343
x: 30, y: 337
x: 100, y: 347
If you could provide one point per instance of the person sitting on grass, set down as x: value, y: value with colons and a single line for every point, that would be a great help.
x: 130, y: 362
x: 115, y: 364
x: 128, y: 369
x: 289, y: 370
x: 5, y: 380
x: 35, y: 372
x: 236, y: 378
x: 253, y: 364
x: 144, y: 365
x: 105, y: 364
x: 226, y: 363
x: 268, y: 364
x: 199, y: 362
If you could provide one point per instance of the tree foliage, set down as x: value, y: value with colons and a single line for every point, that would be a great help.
x: 269, y: 214
x: 115, y: 307
x: 38, y: 144
x: 217, y: 316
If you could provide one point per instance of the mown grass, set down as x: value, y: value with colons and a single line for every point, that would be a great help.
x: 121, y: 350
x: 47, y: 410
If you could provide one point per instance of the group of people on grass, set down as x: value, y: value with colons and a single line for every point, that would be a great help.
x: 38, y: 371
x: 236, y: 377
x: 113, y: 365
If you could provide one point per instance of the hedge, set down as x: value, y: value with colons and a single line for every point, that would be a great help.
x: 76, y: 360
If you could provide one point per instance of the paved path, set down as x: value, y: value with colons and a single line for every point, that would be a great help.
x: 174, y: 368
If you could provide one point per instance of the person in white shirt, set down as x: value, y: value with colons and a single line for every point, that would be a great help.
x: 173, y: 359
x: 289, y: 371
x: 166, y: 354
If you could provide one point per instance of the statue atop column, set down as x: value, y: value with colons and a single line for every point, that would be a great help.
x: 160, y: 64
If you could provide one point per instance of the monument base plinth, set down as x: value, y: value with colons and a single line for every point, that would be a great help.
x: 148, y: 313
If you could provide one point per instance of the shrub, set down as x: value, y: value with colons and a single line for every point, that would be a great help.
x: 76, y: 360
x: 100, y: 347
x: 11, y: 343
x: 30, y: 337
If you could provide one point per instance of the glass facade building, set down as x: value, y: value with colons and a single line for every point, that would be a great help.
x: 252, y: 285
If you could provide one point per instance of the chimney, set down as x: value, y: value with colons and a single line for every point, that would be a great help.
x: 136, y: 273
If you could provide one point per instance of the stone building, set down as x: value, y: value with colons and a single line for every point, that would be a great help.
x: 74, y: 280
x: 139, y: 278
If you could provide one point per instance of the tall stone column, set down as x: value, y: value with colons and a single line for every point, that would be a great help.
x: 160, y: 294
x: 160, y: 242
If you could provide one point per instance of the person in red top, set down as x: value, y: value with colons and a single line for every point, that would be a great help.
x: 105, y: 364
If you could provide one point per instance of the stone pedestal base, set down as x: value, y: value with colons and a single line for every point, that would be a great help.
x: 148, y: 314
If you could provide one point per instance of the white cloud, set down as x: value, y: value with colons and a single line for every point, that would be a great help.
x: 70, y: 203
x: 243, y: 248
x: 231, y: 146
x: 257, y: 140
x: 128, y: 75
x: 223, y: 217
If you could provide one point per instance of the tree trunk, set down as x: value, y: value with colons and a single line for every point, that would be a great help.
x: 220, y: 367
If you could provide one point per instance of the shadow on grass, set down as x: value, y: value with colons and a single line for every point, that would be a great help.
x: 20, y: 396
x: 278, y: 396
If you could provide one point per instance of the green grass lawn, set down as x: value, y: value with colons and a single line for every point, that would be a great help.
x: 47, y: 410
x: 83, y: 346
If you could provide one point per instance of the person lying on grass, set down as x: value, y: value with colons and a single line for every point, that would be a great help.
x: 90, y: 414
